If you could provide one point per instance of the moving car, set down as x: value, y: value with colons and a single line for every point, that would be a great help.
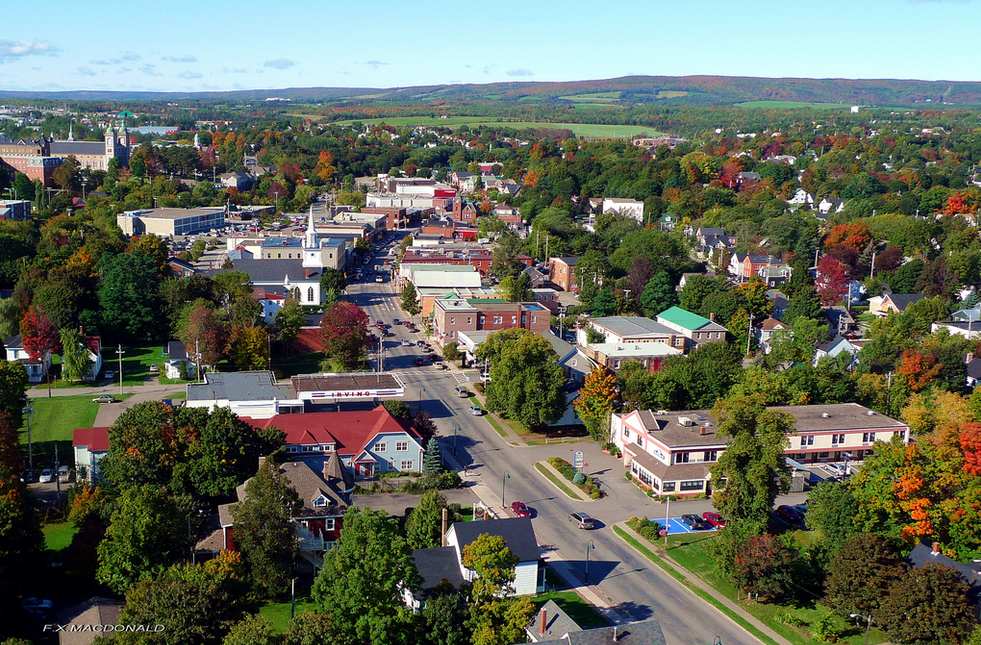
x: 789, y: 514
x: 104, y: 398
x: 406, y: 341
x: 520, y: 509
x: 395, y: 321
x: 476, y: 411
x: 694, y: 522
x: 46, y: 476
x: 714, y: 520
x: 581, y: 520
x: 379, y: 278
x: 420, y: 361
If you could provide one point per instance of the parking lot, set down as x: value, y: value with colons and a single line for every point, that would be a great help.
x: 676, y: 526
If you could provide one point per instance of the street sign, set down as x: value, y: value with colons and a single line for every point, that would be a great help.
x: 578, y: 460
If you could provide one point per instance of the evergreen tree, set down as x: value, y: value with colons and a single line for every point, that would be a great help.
x: 409, y: 299
x: 433, y: 461
x: 424, y: 526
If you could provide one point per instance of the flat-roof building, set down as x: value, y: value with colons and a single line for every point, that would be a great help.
x: 168, y: 222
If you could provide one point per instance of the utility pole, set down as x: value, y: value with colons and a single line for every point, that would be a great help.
x: 29, y: 410
x: 120, y: 352
x: 57, y: 476
x: 749, y: 332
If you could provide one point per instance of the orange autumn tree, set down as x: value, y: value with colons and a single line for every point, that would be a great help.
x: 920, y: 369
x: 597, y: 398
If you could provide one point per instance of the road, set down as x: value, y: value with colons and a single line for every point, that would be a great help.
x: 637, y: 588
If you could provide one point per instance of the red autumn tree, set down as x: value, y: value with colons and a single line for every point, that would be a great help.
x: 854, y: 236
x: 970, y: 440
x: 919, y: 368
x: 344, y: 333
x: 832, y: 281
x: 39, y: 334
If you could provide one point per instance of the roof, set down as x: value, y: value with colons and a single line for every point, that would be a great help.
x: 630, y: 326
x: 827, y: 346
x: 840, y: 416
x: 922, y: 555
x: 176, y: 350
x: 435, y: 565
x: 94, y: 611
x: 647, y: 632
x: 345, y: 381
x: 903, y: 300
x: 349, y: 431
x: 685, y: 319
x: 677, y: 472
x: 518, y: 534
x: 309, y: 485
x: 570, y: 260
x: 974, y: 369
x: 13, y: 342
x: 259, y: 385
x: 668, y: 429
x: 272, y: 271
x: 627, y: 350
x: 173, y: 213
x: 65, y: 148
x: 772, y: 324
x: 93, y: 439
x: 557, y: 622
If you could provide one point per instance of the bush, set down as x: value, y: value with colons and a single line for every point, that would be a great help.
x: 629, y: 477
x: 578, y: 479
x: 479, y: 387
x: 792, y: 619
x: 648, y: 529
x: 596, y: 494
x: 612, y: 449
x: 824, y: 629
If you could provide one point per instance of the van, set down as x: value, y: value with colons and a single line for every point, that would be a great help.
x: 64, y: 473
x: 462, y: 392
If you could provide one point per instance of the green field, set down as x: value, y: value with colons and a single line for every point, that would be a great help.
x: 55, y: 418
x: 579, y: 129
x: 598, y: 97
x: 279, y: 613
x: 789, y: 105
x: 58, y: 535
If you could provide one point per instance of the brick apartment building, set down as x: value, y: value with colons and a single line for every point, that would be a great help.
x: 562, y: 272
x: 453, y: 315
x: 479, y: 259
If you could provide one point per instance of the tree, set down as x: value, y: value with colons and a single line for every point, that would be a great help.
x: 360, y: 585
x: 40, y: 336
x: 520, y: 290
x: 74, y: 357
x: 289, y: 319
x: 147, y: 533
x: 67, y: 174
x: 332, y: 279
x: 198, y: 603
x: 264, y: 530
x: 451, y: 351
x: 504, y: 261
x: 494, y: 563
x: 763, y: 565
x: 525, y: 377
x: 659, y: 294
x: 804, y: 303
x: 832, y: 281
x: 250, y: 347
x: 861, y: 572
x: 254, y: 629
x: 598, y: 397
x: 433, y: 461
x: 398, y: 409
x: 831, y: 509
x: 423, y: 528
x: 605, y: 303
x: 444, y: 618
x: 752, y: 465
x: 410, y: 300
x: 424, y: 425
x: 344, y: 332
x: 129, y: 298
x: 697, y: 288
x: 495, y: 618
x: 927, y: 606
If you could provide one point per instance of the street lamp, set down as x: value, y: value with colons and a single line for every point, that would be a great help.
x: 456, y: 435
x: 29, y: 410
x: 589, y: 547
x: 868, y: 624
x: 504, y: 483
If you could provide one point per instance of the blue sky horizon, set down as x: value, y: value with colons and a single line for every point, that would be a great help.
x: 184, y: 46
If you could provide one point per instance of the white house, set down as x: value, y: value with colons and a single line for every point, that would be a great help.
x: 626, y: 207
x: 36, y: 369
x: 177, y: 358
x: 90, y: 445
x: 518, y: 534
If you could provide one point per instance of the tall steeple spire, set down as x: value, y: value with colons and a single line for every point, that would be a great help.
x: 71, y: 131
x: 311, y: 238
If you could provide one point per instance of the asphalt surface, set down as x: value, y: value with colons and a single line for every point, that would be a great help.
x: 638, y: 589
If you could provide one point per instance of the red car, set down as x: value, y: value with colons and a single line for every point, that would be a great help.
x: 520, y: 509
x: 714, y: 520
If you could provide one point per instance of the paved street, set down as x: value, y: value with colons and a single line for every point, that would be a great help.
x: 638, y: 589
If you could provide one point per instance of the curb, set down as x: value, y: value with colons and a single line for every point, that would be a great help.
x: 557, y: 474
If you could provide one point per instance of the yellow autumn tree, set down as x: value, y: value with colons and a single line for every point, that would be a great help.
x: 597, y: 398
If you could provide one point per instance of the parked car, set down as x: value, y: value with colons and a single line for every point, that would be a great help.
x: 802, y: 509
x: 154, y: 368
x: 714, y: 520
x: 694, y: 522
x: 462, y: 392
x: 110, y: 375
x: 789, y: 514
x: 406, y: 342
x: 64, y: 473
x: 28, y: 476
x: 46, y: 476
x: 104, y: 398
x: 395, y: 321
x: 581, y: 520
x: 36, y: 607
x: 835, y: 469
x: 520, y: 509
x: 379, y: 278
x: 476, y: 411
x: 379, y: 323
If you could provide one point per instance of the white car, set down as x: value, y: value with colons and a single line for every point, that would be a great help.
x: 835, y: 469
x: 47, y: 475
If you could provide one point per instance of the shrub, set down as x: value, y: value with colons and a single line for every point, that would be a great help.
x: 648, y: 529
x: 824, y: 629
x: 596, y: 494
x: 792, y: 619
x: 578, y: 479
x: 479, y: 387
x: 629, y: 477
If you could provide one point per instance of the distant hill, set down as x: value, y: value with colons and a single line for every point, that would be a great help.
x: 625, y: 91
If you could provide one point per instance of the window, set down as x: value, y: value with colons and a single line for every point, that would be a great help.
x: 626, y: 435
x: 381, y: 446
x: 310, y: 294
x: 681, y: 458
x: 498, y: 320
x: 482, y: 319
x: 667, y: 487
x: 401, y: 446
x: 901, y: 434
x: 534, y: 319
x: 320, y: 501
x: 329, y: 524
x: 868, y: 437
x: 807, y: 440
x: 514, y: 320
x: 692, y: 485
x: 837, y: 439
x: 710, y: 455
x: 329, y: 545
x: 616, y: 364
x: 453, y: 320
x: 408, y: 464
x: 469, y: 319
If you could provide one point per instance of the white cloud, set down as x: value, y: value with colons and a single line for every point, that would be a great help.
x: 374, y: 64
x: 86, y: 71
x: 150, y: 70
x: 279, y: 63
x: 189, y: 74
x: 181, y: 59
x: 131, y: 56
x: 519, y: 72
x: 10, y: 50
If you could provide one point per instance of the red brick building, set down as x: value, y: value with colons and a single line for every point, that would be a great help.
x: 452, y: 315
x: 480, y: 260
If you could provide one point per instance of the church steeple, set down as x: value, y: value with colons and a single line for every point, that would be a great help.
x: 71, y: 131
x: 311, y: 237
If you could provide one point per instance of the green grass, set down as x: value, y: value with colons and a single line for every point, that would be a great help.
x: 579, y: 129
x: 58, y: 535
x: 178, y: 395
x: 789, y: 105
x: 55, y: 418
x: 592, y: 98
x: 490, y: 419
x: 691, y: 552
x: 279, y: 613
x: 558, y: 482
x: 707, y: 597
x: 570, y: 602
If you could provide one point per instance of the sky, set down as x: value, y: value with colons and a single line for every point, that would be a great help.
x: 185, y: 46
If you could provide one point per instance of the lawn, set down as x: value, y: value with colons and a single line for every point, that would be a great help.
x: 572, y: 603
x: 306, y: 363
x: 790, y: 105
x: 560, y: 484
x: 691, y: 552
x: 55, y: 418
x: 58, y: 535
x: 579, y: 129
x: 279, y: 613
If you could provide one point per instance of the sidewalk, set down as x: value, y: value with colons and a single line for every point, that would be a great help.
x: 694, y: 580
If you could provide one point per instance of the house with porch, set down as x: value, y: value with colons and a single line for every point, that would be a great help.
x: 36, y: 368
x: 624, y: 330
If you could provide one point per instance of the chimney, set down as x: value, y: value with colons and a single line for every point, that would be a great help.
x: 325, y: 471
x: 543, y: 620
x: 703, y: 430
x: 969, y: 357
x: 306, y: 271
x: 712, y: 316
x: 936, y: 549
x: 445, y: 526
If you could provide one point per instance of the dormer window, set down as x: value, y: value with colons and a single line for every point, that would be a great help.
x: 320, y: 502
